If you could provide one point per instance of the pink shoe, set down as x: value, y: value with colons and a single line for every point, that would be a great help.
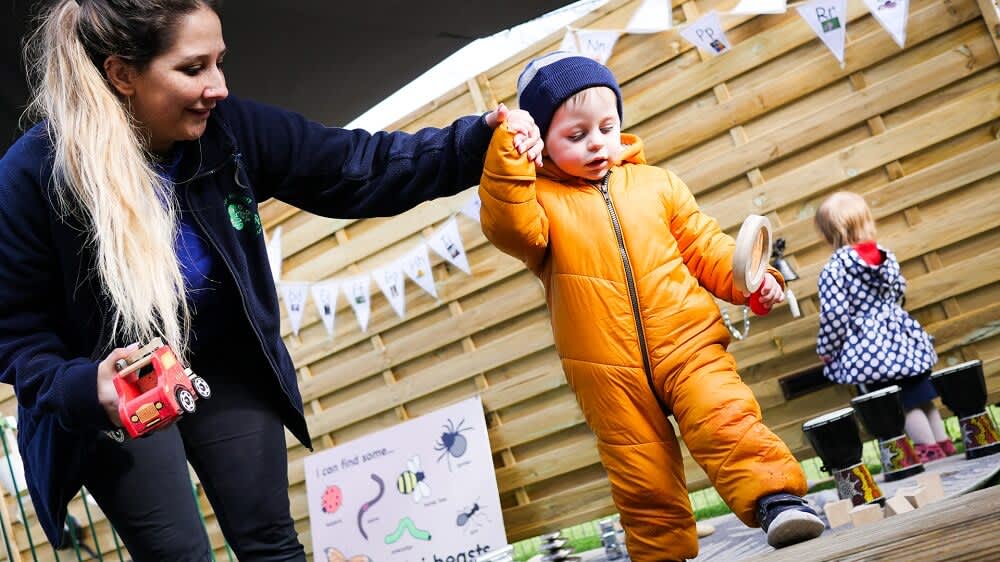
x: 948, y: 447
x: 929, y: 452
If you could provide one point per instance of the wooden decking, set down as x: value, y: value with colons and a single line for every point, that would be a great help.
x: 965, y: 527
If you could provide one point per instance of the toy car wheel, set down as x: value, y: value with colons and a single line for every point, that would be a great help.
x: 201, y: 387
x: 186, y: 400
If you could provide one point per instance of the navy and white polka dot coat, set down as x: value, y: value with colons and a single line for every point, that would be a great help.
x: 864, y: 334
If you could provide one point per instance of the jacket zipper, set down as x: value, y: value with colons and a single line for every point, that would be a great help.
x: 633, y: 293
x: 232, y: 272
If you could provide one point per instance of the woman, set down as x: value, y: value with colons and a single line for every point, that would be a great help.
x: 130, y: 213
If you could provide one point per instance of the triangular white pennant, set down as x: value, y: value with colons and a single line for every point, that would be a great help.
x: 295, y: 295
x: 652, y: 16
x: 471, y: 209
x: 750, y: 7
x: 569, y: 42
x: 828, y: 19
x: 706, y: 33
x: 447, y: 242
x: 892, y: 15
x: 325, y: 296
x: 393, y: 284
x: 358, y: 291
x: 417, y: 266
x: 597, y: 44
x: 274, y: 254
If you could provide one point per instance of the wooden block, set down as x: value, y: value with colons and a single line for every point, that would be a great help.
x: 917, y: 496
x: 896, y: 505
x: 838, y: 513
x: 866, y: 514
x: 931, y: 481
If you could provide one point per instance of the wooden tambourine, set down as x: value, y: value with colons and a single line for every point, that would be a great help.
x: 753, y: 248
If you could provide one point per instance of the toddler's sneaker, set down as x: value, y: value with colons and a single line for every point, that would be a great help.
x: 948, y: 447
x: 929, y: 452
x: 787, y: 519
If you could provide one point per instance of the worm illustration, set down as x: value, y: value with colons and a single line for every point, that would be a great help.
x: 368, y: 504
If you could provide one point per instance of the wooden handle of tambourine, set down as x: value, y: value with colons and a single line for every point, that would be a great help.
x: 753, y: 248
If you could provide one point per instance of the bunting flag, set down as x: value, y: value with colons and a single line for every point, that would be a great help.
x: 325, y: 296
x: 358, y: 291
x: 392, y: 282
x: 892, y: 14
x: 596, y: 43
x: 471, y: 209
x: 706, y: 33
x: 295, y: 295
x: 750, y: 7
x: 569, y: 42
x: 652, y: 16
x: 447, y: 242
x: 827, y: 18
x: 417, y: 266
x: 274, y: 254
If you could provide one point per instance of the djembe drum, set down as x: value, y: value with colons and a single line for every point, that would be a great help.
x: 881, y: 412
x: 963, y: 390
x: 835, y: 438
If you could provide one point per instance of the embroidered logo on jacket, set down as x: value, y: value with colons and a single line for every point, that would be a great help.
x: 241, y: 213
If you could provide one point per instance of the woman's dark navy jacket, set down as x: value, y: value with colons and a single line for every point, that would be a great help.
x: 54, y: 315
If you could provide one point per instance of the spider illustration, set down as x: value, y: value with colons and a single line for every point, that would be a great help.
x: 452, y: 442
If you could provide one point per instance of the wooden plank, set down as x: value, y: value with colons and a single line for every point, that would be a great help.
x: 974, y: 109
x: 961, y: 528
x: 917, y: 81
x: 516, y: 300
x: 991, y: 15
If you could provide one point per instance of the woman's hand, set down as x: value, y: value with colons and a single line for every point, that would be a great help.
x: 106, y: 371
x: 527, y: 138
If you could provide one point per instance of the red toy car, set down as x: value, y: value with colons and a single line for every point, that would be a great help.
x: 154, y: 389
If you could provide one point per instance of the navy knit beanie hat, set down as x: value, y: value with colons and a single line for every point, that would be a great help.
x: 551, y: 79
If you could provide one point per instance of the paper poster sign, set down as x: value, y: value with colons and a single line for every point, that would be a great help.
x: 569, y: 42
x: 447, y: 242
x: 652, y: 16
x: 706, y: 33
x: 325, y: 296
x: 471, y: 209
x: 295, y: 295
x: 417, y: 266
x: 597, y: 44
x: 892, y: 15
x: 358, y: 292
x: 827, y: 20
x: 749, y: 7
x: 274, y: 254
x: 392, y: 282
x: 423, y: 490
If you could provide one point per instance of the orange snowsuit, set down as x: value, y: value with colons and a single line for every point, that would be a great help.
x: 629, y: 276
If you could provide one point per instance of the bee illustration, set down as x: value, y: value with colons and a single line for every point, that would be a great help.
x: 411, y: 481
x: 334, y: 555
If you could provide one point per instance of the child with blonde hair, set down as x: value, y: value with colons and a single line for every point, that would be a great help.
x: 865, y: 336
x: 630, y: 266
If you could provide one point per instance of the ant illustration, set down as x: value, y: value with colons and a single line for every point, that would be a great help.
x: 452, y: 442
x: 466, y: 516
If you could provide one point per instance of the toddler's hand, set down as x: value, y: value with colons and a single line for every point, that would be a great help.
x: 527, y: 138
x: 770, y: 292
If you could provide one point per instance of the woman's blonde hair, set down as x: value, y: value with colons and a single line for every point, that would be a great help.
x: 101, y: 171
x: 844, y: 219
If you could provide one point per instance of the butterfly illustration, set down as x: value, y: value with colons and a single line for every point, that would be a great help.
x: 334, y: 555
